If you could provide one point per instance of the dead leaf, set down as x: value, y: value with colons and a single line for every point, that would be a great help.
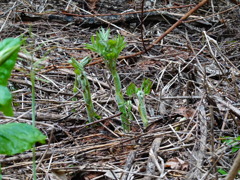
x: 186, y: 112
x: 177, y: 164
x: 92, y: 4
x: 58, y: 176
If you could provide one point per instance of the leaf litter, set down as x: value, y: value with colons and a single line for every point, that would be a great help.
x: 194, y: 100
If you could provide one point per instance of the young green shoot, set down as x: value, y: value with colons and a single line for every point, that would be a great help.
x: 140, y: 93
x: 81, y: 79
x: 109, y: 50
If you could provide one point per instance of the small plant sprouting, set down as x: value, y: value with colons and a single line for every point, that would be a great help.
x: 141, y: 92
x: 109, y: 50
x: 81, y: 79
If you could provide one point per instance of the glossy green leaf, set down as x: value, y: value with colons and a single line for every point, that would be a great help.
x: 18, y: 137
x: 9, y: 49
x: 8, y: 54
x: 222, y: 172
x: 5, y: 101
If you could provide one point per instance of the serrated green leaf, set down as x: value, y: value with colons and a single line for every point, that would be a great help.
x: 18, y: 137
x: 108, y: 49
x: 146, y: 86
x: 5, y: 101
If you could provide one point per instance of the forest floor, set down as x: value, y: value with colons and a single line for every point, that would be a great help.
x: 193, y: 107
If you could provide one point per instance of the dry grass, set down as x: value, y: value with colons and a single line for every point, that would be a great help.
x: 193, y: 104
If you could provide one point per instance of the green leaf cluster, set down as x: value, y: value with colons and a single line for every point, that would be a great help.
x: 145, y: 87
x: 141, y: 92
x: 79, y: 67
x: 18, y: 137
x: 9, y: 49
x: 109, y: 49
x: 81, y: 80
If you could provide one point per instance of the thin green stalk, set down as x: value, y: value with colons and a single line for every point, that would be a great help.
x: 120, y: 100
x: 142, y: 108
x: 34, y: 163
x: 81, y: 78
x: 87, y: 98
x: 110, y: 49
x: 32, y: 77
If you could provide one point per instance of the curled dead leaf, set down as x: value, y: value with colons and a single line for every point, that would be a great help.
x: 177, y: 164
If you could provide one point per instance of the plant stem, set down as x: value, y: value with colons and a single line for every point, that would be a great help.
x: 142, y: 108
x: 83, y: 81
x: 120, y: 101
x: 32, y: 77
x: 87, y: 98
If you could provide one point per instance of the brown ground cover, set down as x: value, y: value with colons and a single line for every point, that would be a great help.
x: 193, y: 105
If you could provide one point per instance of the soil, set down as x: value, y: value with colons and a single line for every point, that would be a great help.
x: 193, y: 106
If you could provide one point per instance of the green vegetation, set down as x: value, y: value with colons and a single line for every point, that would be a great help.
x: 18, y: 137
x: 222, y: 171
x: 109, y: 50
x: 140, y: 93
x: 8, y: 54
x: 232, y: 141
x: 81, y: 79
x: 14, y: 137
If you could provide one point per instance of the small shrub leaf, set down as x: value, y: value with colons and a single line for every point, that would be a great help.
x: 8, y: 54
x: 18, y: 137
x: 5, y: 101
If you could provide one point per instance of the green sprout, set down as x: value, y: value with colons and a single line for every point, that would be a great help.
x: 81, y: 79
x: 109, y: 50
x: 141, y: 92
